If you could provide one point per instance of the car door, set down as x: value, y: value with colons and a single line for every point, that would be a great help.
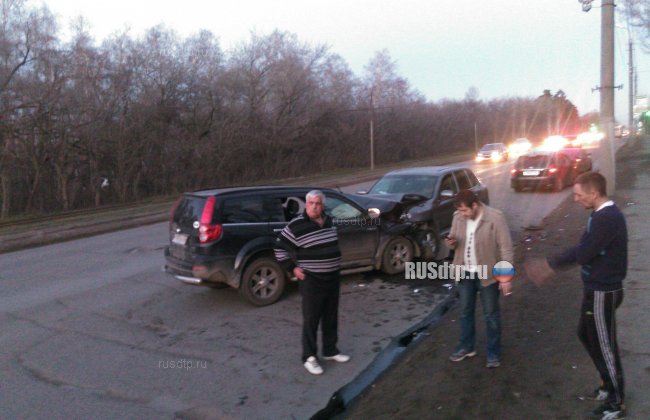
x: 358, y: 234
x: 443, y: 207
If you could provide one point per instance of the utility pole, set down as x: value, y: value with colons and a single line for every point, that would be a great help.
x: 372, y: 134
x: 630, y: 83
x: 607, y: 163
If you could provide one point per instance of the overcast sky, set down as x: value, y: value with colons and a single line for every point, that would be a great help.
x: 503, y: 48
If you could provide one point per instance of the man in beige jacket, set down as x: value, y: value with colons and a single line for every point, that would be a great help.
x: 481, y: 238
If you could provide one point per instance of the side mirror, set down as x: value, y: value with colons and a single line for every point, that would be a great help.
x: 374, y: 213
x: 362, y: 192
x: 446, y: 194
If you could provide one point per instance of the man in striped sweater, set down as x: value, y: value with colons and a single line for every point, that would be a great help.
x: 308, y: 248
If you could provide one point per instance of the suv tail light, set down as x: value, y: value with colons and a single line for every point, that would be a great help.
x: 208, y: 232
x: 552, y: 169
x: 513, y: 172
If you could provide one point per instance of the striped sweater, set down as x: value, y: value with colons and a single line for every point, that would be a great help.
x: 315, y: 249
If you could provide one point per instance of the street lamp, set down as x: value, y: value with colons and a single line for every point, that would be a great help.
x: 586, y: 5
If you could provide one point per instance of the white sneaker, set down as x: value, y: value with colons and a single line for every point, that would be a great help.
x: 312, y: 366
x: 341, y: 358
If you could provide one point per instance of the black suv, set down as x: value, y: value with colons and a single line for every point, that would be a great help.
x: 225, y: 237
x: 427, y: 195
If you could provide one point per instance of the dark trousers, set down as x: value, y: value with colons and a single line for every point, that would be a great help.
x: 320, y: 305
x: 597, y: 332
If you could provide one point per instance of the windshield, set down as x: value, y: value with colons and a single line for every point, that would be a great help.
x: 405, y: 184
x: 491, y: 146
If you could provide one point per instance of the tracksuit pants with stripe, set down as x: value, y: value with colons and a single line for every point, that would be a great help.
x: 597, y: 332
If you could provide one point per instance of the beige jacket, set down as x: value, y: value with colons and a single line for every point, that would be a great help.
x: 493, y: 241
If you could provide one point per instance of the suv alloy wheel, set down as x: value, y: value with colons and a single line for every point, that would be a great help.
x: 397, y: 253
x: 263, y: 281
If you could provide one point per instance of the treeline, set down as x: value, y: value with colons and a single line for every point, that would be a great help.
x: 84, y: 125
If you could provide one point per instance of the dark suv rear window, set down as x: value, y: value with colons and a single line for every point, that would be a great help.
x: 189, y: 210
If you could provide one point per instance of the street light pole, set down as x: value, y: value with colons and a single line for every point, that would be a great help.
x: 372, y: 129
x: 630, y: 82
x: 607, y: 163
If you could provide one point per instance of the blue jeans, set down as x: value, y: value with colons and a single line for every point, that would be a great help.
x: 468, y: 288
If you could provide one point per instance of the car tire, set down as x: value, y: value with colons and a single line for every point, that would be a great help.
x: 397, y: 253
x: 558, y: 185
x: 517, y: 188
x: 263, y: 282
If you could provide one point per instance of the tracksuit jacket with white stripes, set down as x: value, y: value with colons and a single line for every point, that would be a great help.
x: 602, y: 251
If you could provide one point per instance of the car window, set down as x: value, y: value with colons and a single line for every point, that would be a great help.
x: 405, y: 184
x: 448, y: 183
x: 463, y: 180
x: 341, y: 210
x: 189, y: 210
x: 535, y: 161
x: 292, y: 206
x: 472, y: 178
x: 252, y: 209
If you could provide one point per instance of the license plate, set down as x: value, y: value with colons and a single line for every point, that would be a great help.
x: 531, y: 173
x: 179, y: 238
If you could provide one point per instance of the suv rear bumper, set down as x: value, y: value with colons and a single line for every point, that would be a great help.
x: 201, y: 271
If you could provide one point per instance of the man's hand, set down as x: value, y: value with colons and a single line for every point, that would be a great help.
x: 299, y: 273
x: 538, y: 270
x: 506, y: 288
x: 450, y: 241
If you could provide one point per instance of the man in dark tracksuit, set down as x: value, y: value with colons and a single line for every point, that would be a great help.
x: 602, y: 253
x: 308, y: 248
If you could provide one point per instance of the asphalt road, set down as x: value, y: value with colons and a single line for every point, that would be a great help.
x: 92, y: 328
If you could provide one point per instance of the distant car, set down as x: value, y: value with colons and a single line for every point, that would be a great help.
x: 427, y: 194
x: 580, y: 158
x: 542, y: 169
x: 520, y: 146
x: 493, y: 152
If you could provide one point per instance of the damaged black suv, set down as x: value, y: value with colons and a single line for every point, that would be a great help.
x: 426, y: 195
x: 224, y: 237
